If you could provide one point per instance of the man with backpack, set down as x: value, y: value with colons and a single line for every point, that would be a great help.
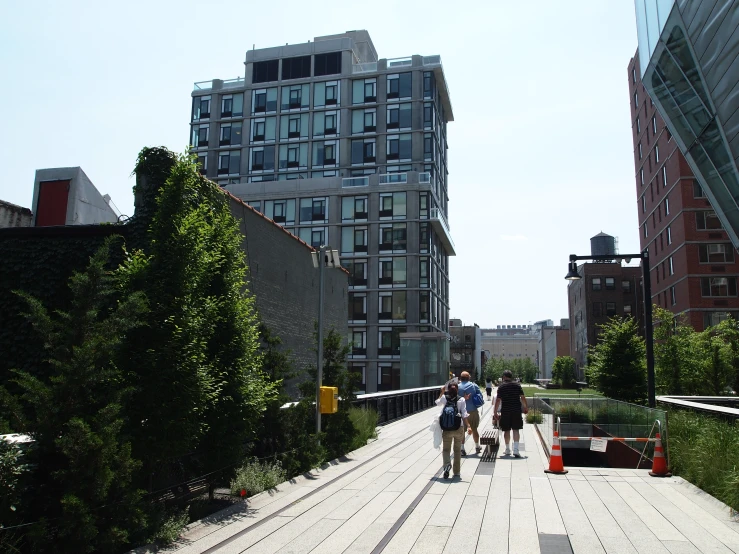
x: 509, y: 401
x: 453, y: 413
x: 473, y: 396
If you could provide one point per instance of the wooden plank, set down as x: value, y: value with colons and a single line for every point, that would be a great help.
x: 583, y: 537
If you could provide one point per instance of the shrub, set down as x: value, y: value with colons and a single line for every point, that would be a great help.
x: 170, y: 527
x: 255, y: 477
x: 534, y: 416
x: 574, y: 413
x: 365, y: 422
x: 704, y: 450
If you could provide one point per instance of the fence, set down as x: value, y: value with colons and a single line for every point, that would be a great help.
x: 597, y: 417
x: 392, y: 405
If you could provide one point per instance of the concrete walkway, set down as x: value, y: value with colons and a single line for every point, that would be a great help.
x: 390, y: 497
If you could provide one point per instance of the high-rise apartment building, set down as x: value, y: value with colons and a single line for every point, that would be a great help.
x: 348, y: 150
x: 694, y: 264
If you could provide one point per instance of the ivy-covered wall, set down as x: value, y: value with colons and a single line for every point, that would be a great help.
x: 39, y: 261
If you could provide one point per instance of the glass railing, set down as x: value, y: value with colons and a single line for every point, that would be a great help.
x: 436, y: 213
x: 398, y: 62
x: 432, y: 60
x: 238, y: 82
x: 203, y: 85
x: 424, y: 178
x: 392, y: 178
x: 355, y: 182
x: 233, y: 83
x: 364, y: 67
x: 596, y: 416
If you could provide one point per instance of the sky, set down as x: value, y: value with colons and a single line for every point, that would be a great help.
x: 540, y: 149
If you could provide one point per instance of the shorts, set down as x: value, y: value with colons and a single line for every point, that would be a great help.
x: 511, y: 420
x: 489, y: 391
x: 474, y: 419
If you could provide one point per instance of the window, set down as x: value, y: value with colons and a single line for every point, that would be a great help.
x: 295, y: 97
x: 429, y: 84
x: 399, y: 86
x: 229, y: 162
x: 353, y: 240
x: 671, y: 266
x: 641, y: 176
x: 263, y: 129
x: 423, y: 307
x: 293, y: 155
x: 353, y: 208
x: 388, y: 376
x: 203, y: 162
x: 636, y: 100
x: 325, y: 123
x: 399, y: 147
x: 359, y: 341
x: 718, y: 286
x: 393, y: 205
x: 230, y: 134
x: 656, y: 153
x: 640, y: 154
x: 664, y: 176
x: 429, y: 117
x: 280, y: 211
x: 399, y: 116
x: 424, y: 237
x: 264, y: 100
x: 357, y: 307
x: 626, y: 285
x: 638, y: 126
x: 392, y: 271
x: 610, y: 309
x: 200, y: 108
x: 363, y: 151
x: 263, y: 158
x: 610, y: 283
x: 294, y: 126
x: 669, y: 236
x: 263, y: 72
x: 364, y: 90
x: 710, y: 319
x: 698, y: 190
x: 315, y: 236
x: 325, y: 153
x: 654, y: 125
x: 597, y: 309
x: 389, y: 341
x: 673, y: 297
x: 707, y: 220
x: 327, y: 64
x: 364, y: 121
x: 596, y: 283
x: 643, y: 204
x: 200, y: 136
x: 296, y: 68
x: 716, y: 253
x: 313, y: 210
x: 357, y: 272
x: 627, y: 308
x: 393, y: 237
x: 326, y: 94
x: 392, y: 306
x: 358, y: 368
x: 232, y: 105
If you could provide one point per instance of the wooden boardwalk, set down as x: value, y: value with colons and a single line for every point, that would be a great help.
x: 389, y: 497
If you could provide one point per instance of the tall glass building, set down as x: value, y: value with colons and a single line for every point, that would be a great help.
x: 689, y: 63
x: 348, y: 150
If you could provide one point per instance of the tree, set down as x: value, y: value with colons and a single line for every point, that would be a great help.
x: 617, y: 365
x: 81, y: 457
x: 563, y: 370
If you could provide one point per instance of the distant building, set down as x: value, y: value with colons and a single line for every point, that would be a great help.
x: 14, y: 216
x: 511, y: 342
x: 554, y: 341
x: 465, y: 347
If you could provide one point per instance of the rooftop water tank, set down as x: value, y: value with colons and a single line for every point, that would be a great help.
x: 602, y: 245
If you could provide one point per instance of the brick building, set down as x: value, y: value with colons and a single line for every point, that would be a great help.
x: 694, y: 265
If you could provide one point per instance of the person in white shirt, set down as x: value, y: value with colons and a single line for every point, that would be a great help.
x: 456, y: 435
x: 489, y: 387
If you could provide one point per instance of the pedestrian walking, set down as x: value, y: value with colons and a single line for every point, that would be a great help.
x: 507, y: 409
x: 453, y: 413
x: 489, y: 387
x: 470, y: 392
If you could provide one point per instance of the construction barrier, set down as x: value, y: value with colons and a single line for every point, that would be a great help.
x: 555, y: 459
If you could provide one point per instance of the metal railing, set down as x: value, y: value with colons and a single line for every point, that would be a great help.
x: 392, y: 405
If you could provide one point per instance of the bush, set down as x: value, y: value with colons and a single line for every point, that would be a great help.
x: 534, y: 416
x: 255, y: 477
x: 170, y: 527
x: 704, y: 451
x: 365, y: 422
x: 574, y: 413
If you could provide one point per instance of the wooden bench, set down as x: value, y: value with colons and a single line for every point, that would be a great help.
x: 489, y: 438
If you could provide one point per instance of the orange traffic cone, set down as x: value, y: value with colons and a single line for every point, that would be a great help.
x: 659, y: 464
x: 555, y: 459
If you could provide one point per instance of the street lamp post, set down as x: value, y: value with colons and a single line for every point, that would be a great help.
x: 324, y: 257
x: 574, y: 275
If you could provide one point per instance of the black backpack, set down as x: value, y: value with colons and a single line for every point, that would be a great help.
x: 450, y: 420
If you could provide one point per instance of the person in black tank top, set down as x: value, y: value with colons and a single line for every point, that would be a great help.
x: 508, y: 404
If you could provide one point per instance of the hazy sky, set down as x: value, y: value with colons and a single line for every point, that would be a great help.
x: 540, y: 151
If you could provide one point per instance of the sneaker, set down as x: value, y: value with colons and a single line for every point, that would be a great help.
x: 446, y: 471
x: 478, y: 448
x: 507, y: 452
x: 463, y: 452
x: 516, y: 454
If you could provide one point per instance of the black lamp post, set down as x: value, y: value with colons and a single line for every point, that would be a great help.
x: 574, y: 275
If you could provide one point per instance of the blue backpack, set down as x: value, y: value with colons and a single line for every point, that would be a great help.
x: 450, y: 420
x: 477, y: 397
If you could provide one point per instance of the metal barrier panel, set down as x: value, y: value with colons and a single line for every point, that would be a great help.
x: 391, y: 405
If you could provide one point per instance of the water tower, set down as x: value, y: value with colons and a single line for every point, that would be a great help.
x: 603, y: 245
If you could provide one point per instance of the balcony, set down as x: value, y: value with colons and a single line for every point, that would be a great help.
x: 218, y: 84
x: 392, y: 178
x: 355, y: 182
x: 364, y: 67
x: 438, y: 222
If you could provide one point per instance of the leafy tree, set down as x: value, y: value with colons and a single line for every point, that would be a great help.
x: 563, y: 370
x: 617, y: 365
x: 81, y: 457
x: 197, y: 364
